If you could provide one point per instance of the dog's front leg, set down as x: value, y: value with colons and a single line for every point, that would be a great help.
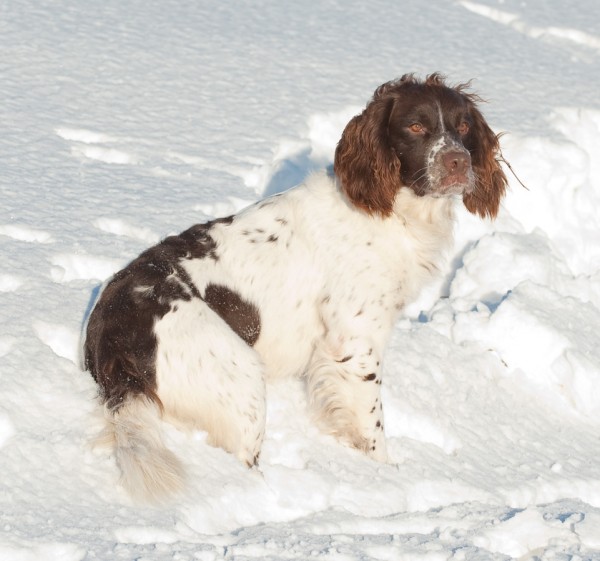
x: 344, y: 383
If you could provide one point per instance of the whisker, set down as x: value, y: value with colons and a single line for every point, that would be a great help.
x: 420, y: 174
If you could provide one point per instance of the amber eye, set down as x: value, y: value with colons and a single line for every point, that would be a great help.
x: 463, y: 128
x: 416, y: 127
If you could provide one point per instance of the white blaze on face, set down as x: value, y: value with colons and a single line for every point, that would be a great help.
x: 441, y: 141
x: 441, y: 117
x: 437, y: 145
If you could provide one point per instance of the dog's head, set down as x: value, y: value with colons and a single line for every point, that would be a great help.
x: 425, y: 136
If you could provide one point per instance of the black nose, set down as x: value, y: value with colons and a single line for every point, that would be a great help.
x: 456, y: 162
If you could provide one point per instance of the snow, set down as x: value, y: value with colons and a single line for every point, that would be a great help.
x: 127, y: 121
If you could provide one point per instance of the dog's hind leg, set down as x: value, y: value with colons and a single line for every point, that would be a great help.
x: 209, y: 378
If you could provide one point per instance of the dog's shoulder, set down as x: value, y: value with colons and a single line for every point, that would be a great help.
x: 302, y: 211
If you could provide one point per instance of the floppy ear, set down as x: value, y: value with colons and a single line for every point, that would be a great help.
x: 490, y: 179
x: 365, y: 164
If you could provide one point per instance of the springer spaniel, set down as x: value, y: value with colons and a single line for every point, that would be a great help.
x: 305, y: 283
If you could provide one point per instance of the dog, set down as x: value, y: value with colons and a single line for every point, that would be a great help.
x: 305, y: 283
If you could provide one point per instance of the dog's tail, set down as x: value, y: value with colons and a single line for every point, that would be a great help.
x: 150, y: 472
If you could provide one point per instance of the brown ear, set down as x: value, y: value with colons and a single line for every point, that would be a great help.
x: 366, y: 166
x: 491, y: 182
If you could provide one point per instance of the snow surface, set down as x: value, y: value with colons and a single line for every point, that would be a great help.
x: 126, y: 120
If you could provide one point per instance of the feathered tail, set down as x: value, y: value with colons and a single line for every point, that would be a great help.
x: 150, y: 472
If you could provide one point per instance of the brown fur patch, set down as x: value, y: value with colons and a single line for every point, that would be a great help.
x: 242, y: 316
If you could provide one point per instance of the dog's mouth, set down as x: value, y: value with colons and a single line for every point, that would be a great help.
x: 446, y: 185
x: 456, y: 184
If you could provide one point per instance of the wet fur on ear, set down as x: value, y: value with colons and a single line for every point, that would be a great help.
x: 365, y: 164
x: 490, y: 179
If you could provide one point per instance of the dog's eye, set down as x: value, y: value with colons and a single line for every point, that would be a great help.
x: 463, y: 128
x: 417, y: 128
